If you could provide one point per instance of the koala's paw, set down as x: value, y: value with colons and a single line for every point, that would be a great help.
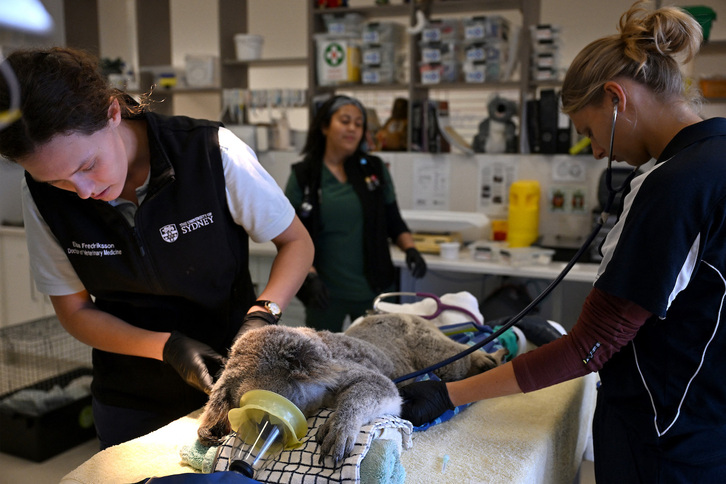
x: 213, y: 435
x: 482, y: 361
x: 336, y: 439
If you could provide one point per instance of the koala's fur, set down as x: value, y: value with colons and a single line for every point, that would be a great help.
x: 348, y: 372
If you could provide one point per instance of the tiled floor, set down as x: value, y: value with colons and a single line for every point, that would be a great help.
x: 15, y: 470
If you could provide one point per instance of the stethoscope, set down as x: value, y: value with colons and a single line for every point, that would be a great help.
x: 550, y: 287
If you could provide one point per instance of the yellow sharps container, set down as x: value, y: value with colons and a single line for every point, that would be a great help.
x: 523, y: 221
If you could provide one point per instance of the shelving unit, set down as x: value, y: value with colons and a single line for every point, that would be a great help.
x: 415, y: 90
x: 277, y: 62
x: 153, y: 39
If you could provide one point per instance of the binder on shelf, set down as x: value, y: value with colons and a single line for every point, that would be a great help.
x: 564, y: 133
x: 548, y: 122
x: 426, y: 130
x: 435, y: 142
x: 532, y: 107
x: 417, y: 130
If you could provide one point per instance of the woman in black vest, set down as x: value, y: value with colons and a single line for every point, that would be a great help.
x: 138, y: 228
x: 345, y: 198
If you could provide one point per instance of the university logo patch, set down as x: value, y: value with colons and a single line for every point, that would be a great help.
x: 169, y: 233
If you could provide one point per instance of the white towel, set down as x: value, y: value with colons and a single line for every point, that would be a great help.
x: 425, y: 307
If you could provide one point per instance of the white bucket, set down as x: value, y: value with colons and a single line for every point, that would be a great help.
x: 249, y: 46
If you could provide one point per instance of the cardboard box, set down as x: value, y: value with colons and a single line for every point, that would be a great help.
x: 38, y: 438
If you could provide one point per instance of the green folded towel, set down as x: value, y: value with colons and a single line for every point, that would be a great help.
x: 199, y: 456
x: 382, y: 464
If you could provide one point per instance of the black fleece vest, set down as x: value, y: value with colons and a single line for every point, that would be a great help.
x: 380, y: 272
x: 184, y: 266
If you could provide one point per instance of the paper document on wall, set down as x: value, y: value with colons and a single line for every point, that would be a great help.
x: 431, y: 175
x: 494, y: 180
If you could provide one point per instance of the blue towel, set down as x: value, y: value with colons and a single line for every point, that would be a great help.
x: 468, y: 334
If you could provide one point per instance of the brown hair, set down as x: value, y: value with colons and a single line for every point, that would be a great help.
x: 62, y: 91
x: 644, y: 50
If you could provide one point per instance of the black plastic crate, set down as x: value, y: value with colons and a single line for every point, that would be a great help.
x: 38, y: 438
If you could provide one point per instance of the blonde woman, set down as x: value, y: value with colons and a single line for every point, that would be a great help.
x: 652, y: 323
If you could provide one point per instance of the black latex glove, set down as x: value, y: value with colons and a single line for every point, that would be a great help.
x: 314, y: 292
x: 255, y: 319
x: 415, y: 263
x: 424, y: 401
x: 195, y: 361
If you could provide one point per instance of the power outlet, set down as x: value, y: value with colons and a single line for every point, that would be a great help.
x: 568, y: 170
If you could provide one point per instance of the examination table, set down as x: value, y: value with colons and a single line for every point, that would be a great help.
x: 539, y: 437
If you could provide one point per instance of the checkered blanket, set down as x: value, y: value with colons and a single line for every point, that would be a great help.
x: 301, y: 465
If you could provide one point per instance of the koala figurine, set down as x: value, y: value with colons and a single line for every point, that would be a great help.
x: 497, y: 133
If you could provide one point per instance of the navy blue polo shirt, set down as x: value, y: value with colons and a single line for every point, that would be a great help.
x: 667, y: 253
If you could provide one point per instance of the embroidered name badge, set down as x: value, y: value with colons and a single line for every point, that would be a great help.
x: 196, y: 223
x: 169, y: 233
x: 92, y: 249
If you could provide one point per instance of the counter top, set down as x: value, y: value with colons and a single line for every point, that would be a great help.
x: 580, y: 272
x: 11, y: 230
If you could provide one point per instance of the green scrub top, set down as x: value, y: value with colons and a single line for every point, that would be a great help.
x: 339, y: 246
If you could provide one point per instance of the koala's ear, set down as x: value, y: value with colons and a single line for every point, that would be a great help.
x: 306, y: 363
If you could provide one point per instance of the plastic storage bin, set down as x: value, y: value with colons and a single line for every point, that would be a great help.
x: 379, y: 55
x: 377, y: 75
x: 475, y: 72
x: 485, y: 28
x: 382, y: 32
x: 493, y: 54
x: 441, y: 30
x: 343, y: 23
x: 248, y: 46
x: 436, y: 73
x: 439, y: 51
x: 38, y: 438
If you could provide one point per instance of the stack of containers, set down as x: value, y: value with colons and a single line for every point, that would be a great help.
x: 379, y: 51
x: 545, y: 52
x: 440, y: 45
x: 338, y: 50
x: 486, y: 49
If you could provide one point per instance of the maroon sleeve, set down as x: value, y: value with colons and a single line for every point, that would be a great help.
x: 606, y: 324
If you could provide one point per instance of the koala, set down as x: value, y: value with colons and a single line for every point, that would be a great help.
x: 497, y: 133
x: 350, y: 373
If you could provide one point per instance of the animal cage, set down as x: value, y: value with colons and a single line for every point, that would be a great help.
x: 38, y: 350
x: 39, y: 359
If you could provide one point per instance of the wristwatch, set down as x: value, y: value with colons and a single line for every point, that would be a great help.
x: 270, y: 307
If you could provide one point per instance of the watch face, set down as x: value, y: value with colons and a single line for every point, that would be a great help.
x: 273, y: 308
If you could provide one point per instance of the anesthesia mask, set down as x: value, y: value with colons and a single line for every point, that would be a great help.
x: 265, y: 424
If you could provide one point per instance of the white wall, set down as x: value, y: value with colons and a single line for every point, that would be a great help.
x: 10, y: 174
